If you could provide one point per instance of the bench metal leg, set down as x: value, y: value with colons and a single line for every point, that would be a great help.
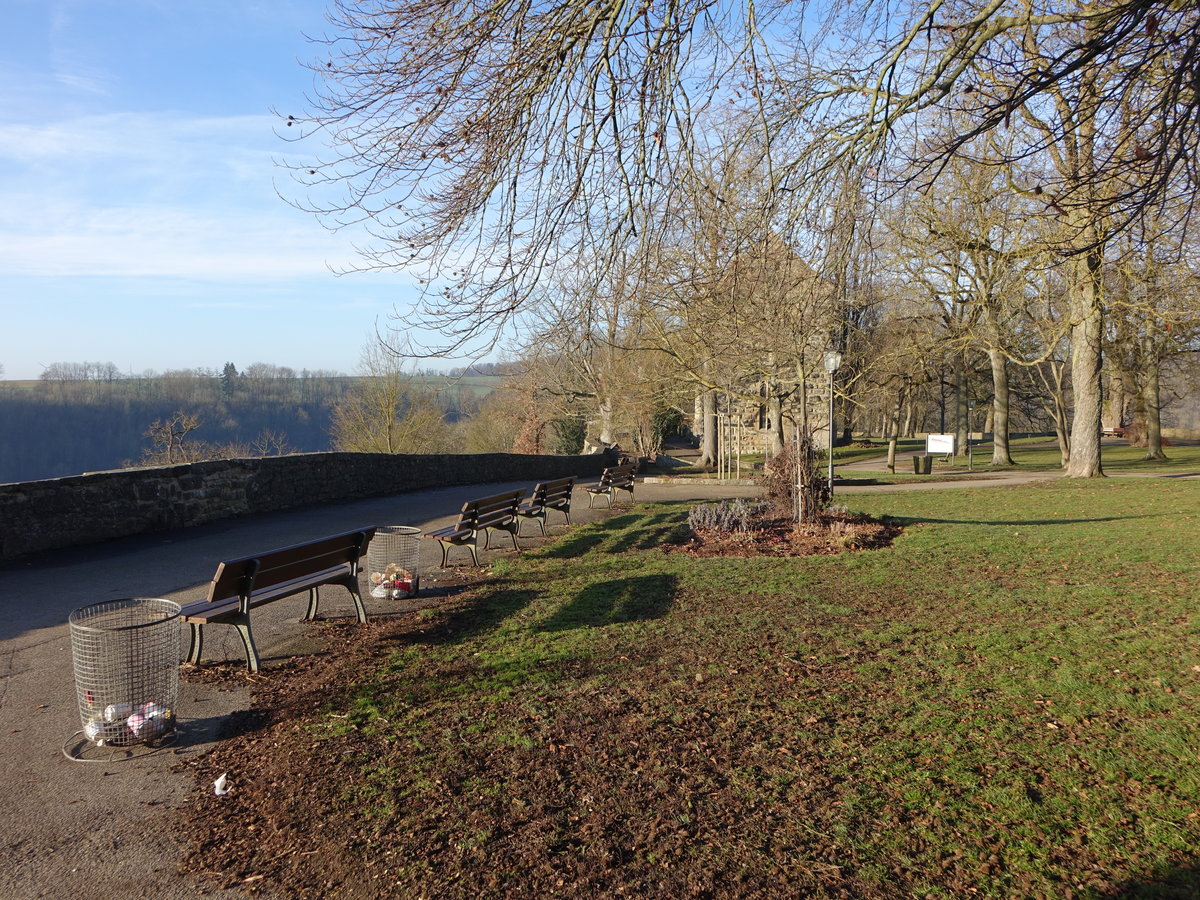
x: 311, y: 613
x: 243, y: 629
x: 358, y: 605
x: 196, y: 644
x: 446, y: 545
x: 541, y: 522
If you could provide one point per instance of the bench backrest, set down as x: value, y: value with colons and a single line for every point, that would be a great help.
x: 553, y: 492
x: 621, y: 474
x: 238, y: 577
x: 490, y: 512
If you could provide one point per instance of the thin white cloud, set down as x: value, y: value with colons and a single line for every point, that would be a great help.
x: 166, y: 242
x: 155, y: 195
x: 83, y: 79
x: 69, y: 56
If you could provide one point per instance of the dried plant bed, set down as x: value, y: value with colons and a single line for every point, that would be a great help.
x: 835, y: 532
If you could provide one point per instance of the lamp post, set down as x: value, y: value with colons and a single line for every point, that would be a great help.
x: 832, y: 362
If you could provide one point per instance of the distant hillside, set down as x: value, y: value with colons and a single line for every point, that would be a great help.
x: 55, y: 427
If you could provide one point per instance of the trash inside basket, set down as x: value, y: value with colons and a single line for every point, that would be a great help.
x: 126, y: 655
x: 393, y: 562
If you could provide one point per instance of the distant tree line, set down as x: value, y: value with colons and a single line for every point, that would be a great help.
x: 90, y: 417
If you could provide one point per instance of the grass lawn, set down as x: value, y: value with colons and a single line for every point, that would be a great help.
x: 1117, y: 457
x: 1039, y: 455
x: 1002, y: 704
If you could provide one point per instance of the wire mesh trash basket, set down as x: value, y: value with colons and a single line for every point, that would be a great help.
x: 393, y: 562
x: 126, y: 655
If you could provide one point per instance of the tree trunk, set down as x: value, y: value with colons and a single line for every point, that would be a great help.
x: 775, y: 436
x: 1087, y: 331
x: 1063, y: 438
x: 1000, y: 410
x: 1051, y: 374
x: 1116, y: 402
x: 606, y: 421
x: 708, y: 443
x: 961, y: 425
x: 893, y: 429
x: 1061, y: 434
x: 1151, y: 399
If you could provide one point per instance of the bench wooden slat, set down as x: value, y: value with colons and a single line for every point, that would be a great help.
x: 205, y: 612
x: 498, y: 512
x: 240, y: 585
x: 548, y: 495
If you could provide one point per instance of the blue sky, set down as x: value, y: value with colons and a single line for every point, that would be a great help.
x: 140, y: 221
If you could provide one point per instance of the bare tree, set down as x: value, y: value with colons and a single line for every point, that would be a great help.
x: 170, y: 440
x: 387, y: 411
x: 489, y: 146
x: 485, y: 142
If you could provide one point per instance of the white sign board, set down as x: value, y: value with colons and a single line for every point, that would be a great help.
x: 939, y: 444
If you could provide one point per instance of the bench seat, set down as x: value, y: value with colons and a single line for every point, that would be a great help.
x: 547, y: 496
x: 483, y: 516
x: 241, y: 585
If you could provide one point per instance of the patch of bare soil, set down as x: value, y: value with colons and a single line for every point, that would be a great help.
x: 594, y: 794
x: 834, y: 532
x: 605, y: 805
x: 282, y: 820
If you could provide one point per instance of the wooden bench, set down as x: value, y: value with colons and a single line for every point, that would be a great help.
x: 548, y: 495
x: 498, y: 513
x: 240, y: 585
x: 613, y: 479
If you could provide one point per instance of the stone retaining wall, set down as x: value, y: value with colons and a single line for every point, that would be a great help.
x: 82, y: 509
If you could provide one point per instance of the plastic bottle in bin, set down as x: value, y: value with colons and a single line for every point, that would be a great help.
x: 150, y: 721
x: 115, y: 712
x: 394, y: 582
x: 100, y: 732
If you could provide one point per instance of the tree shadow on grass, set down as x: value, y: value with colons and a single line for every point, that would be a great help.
x: 668, y: 528
x: 589, y: 539
x: 661, y: 528
x: 485, y: 614
x: 927, y: 520
x: 634, y: 599
x: 1175, y: 883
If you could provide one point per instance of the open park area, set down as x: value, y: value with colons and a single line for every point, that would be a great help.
x: 1001, y: 703
x: 947, y: 249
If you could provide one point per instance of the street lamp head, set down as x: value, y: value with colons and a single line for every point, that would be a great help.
x: 832, y: 361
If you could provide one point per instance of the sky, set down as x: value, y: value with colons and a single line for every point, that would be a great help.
x: 141, y: 221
